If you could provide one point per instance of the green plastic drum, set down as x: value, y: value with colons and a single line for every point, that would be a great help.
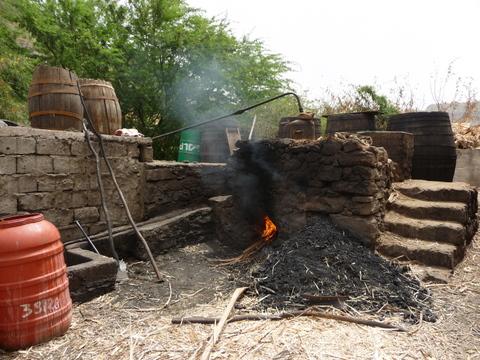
x: 189, y: 149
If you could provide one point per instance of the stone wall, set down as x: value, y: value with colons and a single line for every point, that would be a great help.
x: 172, y: 185
x: 399, y: 146
x: 53, y: 172
x: 341, y: 175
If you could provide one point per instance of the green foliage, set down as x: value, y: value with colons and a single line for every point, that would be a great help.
x: 15, y: 66
x: 369, y: 96
x: 75, y: 34
x: 361, y: 98
x: 169, y: 64
x: 371, y: 100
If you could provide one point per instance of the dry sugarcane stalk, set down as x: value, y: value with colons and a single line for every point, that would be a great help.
x: 287, y: 315
x: 245, y: 255
x: 221, y: 324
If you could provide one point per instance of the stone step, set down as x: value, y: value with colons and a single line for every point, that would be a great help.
x: 422, y: 209
x: 431, y: 274
x: 431, y: 230
x: 437, y: 190
x: 425, y: 252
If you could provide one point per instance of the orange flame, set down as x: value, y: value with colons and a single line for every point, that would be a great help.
x: 269, y: 229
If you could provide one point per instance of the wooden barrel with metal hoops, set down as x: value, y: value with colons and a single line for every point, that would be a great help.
x: 434, y: 154
x: 351, y: 122
x: 53, y: 99
x: 102, y: 105
x: 214, y: 143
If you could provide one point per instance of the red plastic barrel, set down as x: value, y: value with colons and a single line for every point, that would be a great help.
x: 35, y: 303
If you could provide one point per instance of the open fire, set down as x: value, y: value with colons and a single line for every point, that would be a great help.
x: 269, y: 229
x: 268, y: 233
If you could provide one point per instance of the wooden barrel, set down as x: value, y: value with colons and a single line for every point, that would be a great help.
x: 434, y: 155
x: 214, y: 146
x: 102, y: 105
x: 35, y: 303
x: 54, y: 101
x: 351, y: 122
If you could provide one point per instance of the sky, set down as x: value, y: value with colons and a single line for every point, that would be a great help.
x: 390, y: 44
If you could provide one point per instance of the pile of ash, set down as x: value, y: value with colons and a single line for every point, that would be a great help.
x: 324, y: 260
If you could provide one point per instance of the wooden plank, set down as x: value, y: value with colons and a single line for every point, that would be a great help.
x: 233, y: 135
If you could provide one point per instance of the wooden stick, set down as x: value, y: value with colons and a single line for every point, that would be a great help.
x: 221, y: 324
x: 287, y: 315
x: 320, y: 299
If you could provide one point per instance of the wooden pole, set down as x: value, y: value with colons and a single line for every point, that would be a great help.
x: 221, y: 324
x: 287, y: 315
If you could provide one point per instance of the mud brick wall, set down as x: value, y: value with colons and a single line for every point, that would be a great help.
x: 341, y: 175
x: 399, y: 146
x: 173, y: 185
x: 53, y: 172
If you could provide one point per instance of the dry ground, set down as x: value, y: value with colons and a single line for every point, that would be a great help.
x: 131, y: 323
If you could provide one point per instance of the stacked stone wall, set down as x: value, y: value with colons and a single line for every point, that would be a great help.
x: 342, y: 176
x: 53, y: 172
x: 172, y: 185
x: 399, y: 146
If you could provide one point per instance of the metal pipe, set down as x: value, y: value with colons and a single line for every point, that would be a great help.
x: 238, y: 112
x: 86, y: 236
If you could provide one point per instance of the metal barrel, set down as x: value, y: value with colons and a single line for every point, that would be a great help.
x: 189, y: 149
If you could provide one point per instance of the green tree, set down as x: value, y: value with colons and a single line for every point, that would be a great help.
x: 170, y: 65
x: 196, y: 68
x: 16, y: 64
x: 75, y: 34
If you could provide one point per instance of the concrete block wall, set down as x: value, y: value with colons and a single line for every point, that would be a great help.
x: 53, y: 172
x: 467, y: 168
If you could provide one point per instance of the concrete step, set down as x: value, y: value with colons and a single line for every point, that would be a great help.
x: 171, y: 230
x: 422, y: 209
x: 431, y: 230
x: 425, y: 252
x: 436, y: 190
x: 89, y: 274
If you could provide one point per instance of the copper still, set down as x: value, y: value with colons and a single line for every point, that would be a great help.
x: 303, y: 126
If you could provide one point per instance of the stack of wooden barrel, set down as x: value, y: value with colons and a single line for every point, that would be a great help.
x: 54, y: 101
x: 434, y: 154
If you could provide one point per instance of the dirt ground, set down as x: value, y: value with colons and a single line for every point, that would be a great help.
x: 133, y: 322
